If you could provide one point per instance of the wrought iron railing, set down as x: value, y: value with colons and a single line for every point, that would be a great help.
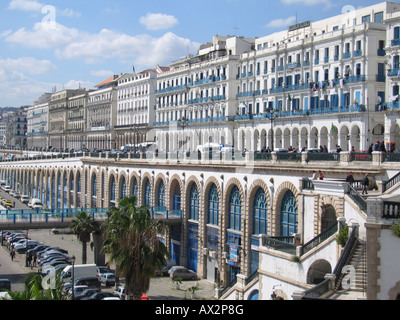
x: 323, y: 287
x: 319, y: 239
x: 284, y: 244
x: 357, y: 198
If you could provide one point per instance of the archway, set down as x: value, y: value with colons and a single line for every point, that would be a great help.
x: 317, y: 271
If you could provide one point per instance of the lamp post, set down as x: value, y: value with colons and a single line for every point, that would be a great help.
x: 270, y: 114
x: 183, y: 123
x: 73, y: 276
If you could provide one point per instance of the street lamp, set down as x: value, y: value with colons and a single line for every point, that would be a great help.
x: 73, y: 276
x: 183, y: 123
x: 270, y: 114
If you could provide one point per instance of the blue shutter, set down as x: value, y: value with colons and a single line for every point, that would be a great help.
x: 305, y: 103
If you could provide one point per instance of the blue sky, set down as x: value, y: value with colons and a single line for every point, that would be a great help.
x: 64, y: 44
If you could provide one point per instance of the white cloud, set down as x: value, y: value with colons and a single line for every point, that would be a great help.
x: 35, y: 6
x: 279, y: 23
x: 26, y: 64
x: 44, y: 36
x: 158, y: 21
x: 25, y: 5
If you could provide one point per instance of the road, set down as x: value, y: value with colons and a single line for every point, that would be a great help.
x: 18, y: 204
x: 12, y: 270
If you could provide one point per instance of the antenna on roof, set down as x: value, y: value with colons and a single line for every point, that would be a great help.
x: 236, y: 29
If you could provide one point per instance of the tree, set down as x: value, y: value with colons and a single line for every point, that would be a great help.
x: 35, y: 291
x: 83, y: 225
x: 131, y: 240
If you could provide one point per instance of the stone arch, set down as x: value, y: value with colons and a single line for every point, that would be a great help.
x: 322, y: 203
x: 112, y: 175
x: 317, y: 271
x: 207, y: 185
x: 146, y: 177
x: 132, y: 177
x: 160, y: 178
x: 276, y: 205
x: 175, y: 183
x: 122, y: 177
x: 225, y: 214
x: 188, y: 187
x: 256, y: 185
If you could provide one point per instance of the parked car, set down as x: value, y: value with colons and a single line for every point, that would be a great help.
x: 86, y: 293
x: 61, y: 231
x: 5, y: 284
x: 98, y: 296
x: 108, y: 279
x: 24, y: 198
x: 183, y: 273
x: 77, y: 290
x: 35, y: 203
x: 120, y: 292
x: 102, y: 270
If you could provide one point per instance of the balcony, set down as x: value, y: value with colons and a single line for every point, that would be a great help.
x: 395, y: 42
x: 346, y: 55
x: 394, y: 73
x: 381, y: 53
x: 357, y: 53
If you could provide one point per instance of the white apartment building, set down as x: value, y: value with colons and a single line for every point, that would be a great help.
x: 38, y: 121
x: 102, y: 114
x: 135, y: 108
x: 76, y: 124
x: 198, y: 94
x: 316, y: 84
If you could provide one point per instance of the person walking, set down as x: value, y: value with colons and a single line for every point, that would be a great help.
x: 350, y: 178
x: 365, y: 183
x: 12, y: 254
x: 321, y: 176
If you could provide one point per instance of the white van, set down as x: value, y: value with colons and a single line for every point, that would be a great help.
x: 35, y: 204
x: 80, y: 271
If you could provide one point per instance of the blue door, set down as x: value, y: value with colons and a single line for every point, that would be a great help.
x: 175, y: 252
x: 193, y: 247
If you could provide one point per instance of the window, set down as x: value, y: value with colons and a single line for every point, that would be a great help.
x: 288, y: 214
x: 112, y: 191
x: 161, y: 196
x: 147, y: 193
x: 378, y: 17
x: 123, y: 188
x: 366, y: 19
x: 260, y: 213
x: 235, y: 209
x: 194, y: 203
x: 134, y: 188
x: 213, y: 205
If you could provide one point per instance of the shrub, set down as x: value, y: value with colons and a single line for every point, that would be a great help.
x: 343, y: 236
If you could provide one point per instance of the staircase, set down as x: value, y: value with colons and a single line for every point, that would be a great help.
x: 359, y: 261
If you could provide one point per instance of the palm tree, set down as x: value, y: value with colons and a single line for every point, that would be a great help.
x: 83, y: 225
x: 35, y: 291
x: 131, y: 240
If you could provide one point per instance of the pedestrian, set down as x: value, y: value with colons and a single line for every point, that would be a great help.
x: 314, y: 176
x: 321, y: 176
x: 365, y: 183
x: 350, y: 178
x: 34, y: 259
x: 12, y: 254
x: 371, y: 148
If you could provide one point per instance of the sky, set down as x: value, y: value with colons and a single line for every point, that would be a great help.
x: 47, y: 44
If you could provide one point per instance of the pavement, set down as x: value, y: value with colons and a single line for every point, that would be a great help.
x: 161, y: 288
